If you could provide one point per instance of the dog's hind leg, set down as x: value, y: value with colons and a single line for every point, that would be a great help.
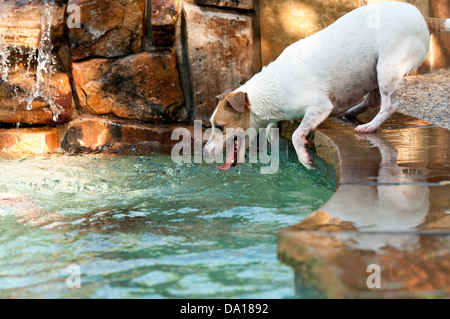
x: 389, y: 77
x: 373, y: 99
x: 392, y: 66
x: 313, y: 117
x: 389, y: 105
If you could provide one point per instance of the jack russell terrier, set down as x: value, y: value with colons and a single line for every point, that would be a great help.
x: 365, y: 53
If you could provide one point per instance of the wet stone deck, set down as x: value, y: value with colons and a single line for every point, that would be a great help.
x: 388, y: 222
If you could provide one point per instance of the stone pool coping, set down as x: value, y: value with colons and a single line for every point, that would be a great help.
x: 391, y: 209
x: 93, y: 134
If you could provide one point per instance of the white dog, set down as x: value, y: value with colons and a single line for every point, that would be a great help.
x: 364, y: 53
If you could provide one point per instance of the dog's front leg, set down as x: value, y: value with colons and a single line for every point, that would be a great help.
x: 313, y: 117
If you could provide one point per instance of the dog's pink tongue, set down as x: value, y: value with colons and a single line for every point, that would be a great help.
x: 224, y: 167
x: 229, y: 160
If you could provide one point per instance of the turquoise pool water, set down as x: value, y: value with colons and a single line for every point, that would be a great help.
x: 144, y: 227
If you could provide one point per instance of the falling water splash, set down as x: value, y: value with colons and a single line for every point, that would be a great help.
x: 5, y: 51
x: 4, y: 61
x: 41, y: 56
x: 45, y: 61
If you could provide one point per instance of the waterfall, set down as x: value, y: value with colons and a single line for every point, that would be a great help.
x: 45, y: 61
x: 40, y: 58
x: 5, y: 51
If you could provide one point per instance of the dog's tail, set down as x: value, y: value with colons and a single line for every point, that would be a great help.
x: 438, y: 25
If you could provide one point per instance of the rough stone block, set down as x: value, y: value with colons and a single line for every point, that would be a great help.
x: 20, y: 22
x: 108, y: 28
x: 90, y: 134
x: 28, y: 141
x: 15, y: 93
x: 164, y: 17
x: 440, y: 43
x: 220, y: 54
x: 236, y: 4
x: 143, y: 87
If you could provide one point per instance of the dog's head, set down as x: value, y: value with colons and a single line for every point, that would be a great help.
x: 232, y: 113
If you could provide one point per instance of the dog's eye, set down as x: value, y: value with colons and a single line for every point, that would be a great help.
x: 220, y: 127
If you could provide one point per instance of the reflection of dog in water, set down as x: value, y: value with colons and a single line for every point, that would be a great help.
x: 398, y: 202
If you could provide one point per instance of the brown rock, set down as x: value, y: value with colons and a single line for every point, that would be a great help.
x: 328, y: 262
x: 142, y: 87
x: 440, y: 43
x: 237, y: 4
x: 15, y: 93
x: 164, y: 16
x: 108, y: 28
x: 90, y: 134
x: 20, y: 22
x: 63, y: 53
x: 220, y: 54
x: 28, y: 141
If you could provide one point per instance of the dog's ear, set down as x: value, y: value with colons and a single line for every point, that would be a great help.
x: 220, y: 97
x: 239, y: 102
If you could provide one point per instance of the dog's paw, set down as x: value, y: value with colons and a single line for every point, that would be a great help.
x: 309, y: 166
x: 367, y: 128
x: 306, y: 160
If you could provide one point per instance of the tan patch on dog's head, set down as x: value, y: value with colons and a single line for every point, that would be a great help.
x: 233, y: 111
